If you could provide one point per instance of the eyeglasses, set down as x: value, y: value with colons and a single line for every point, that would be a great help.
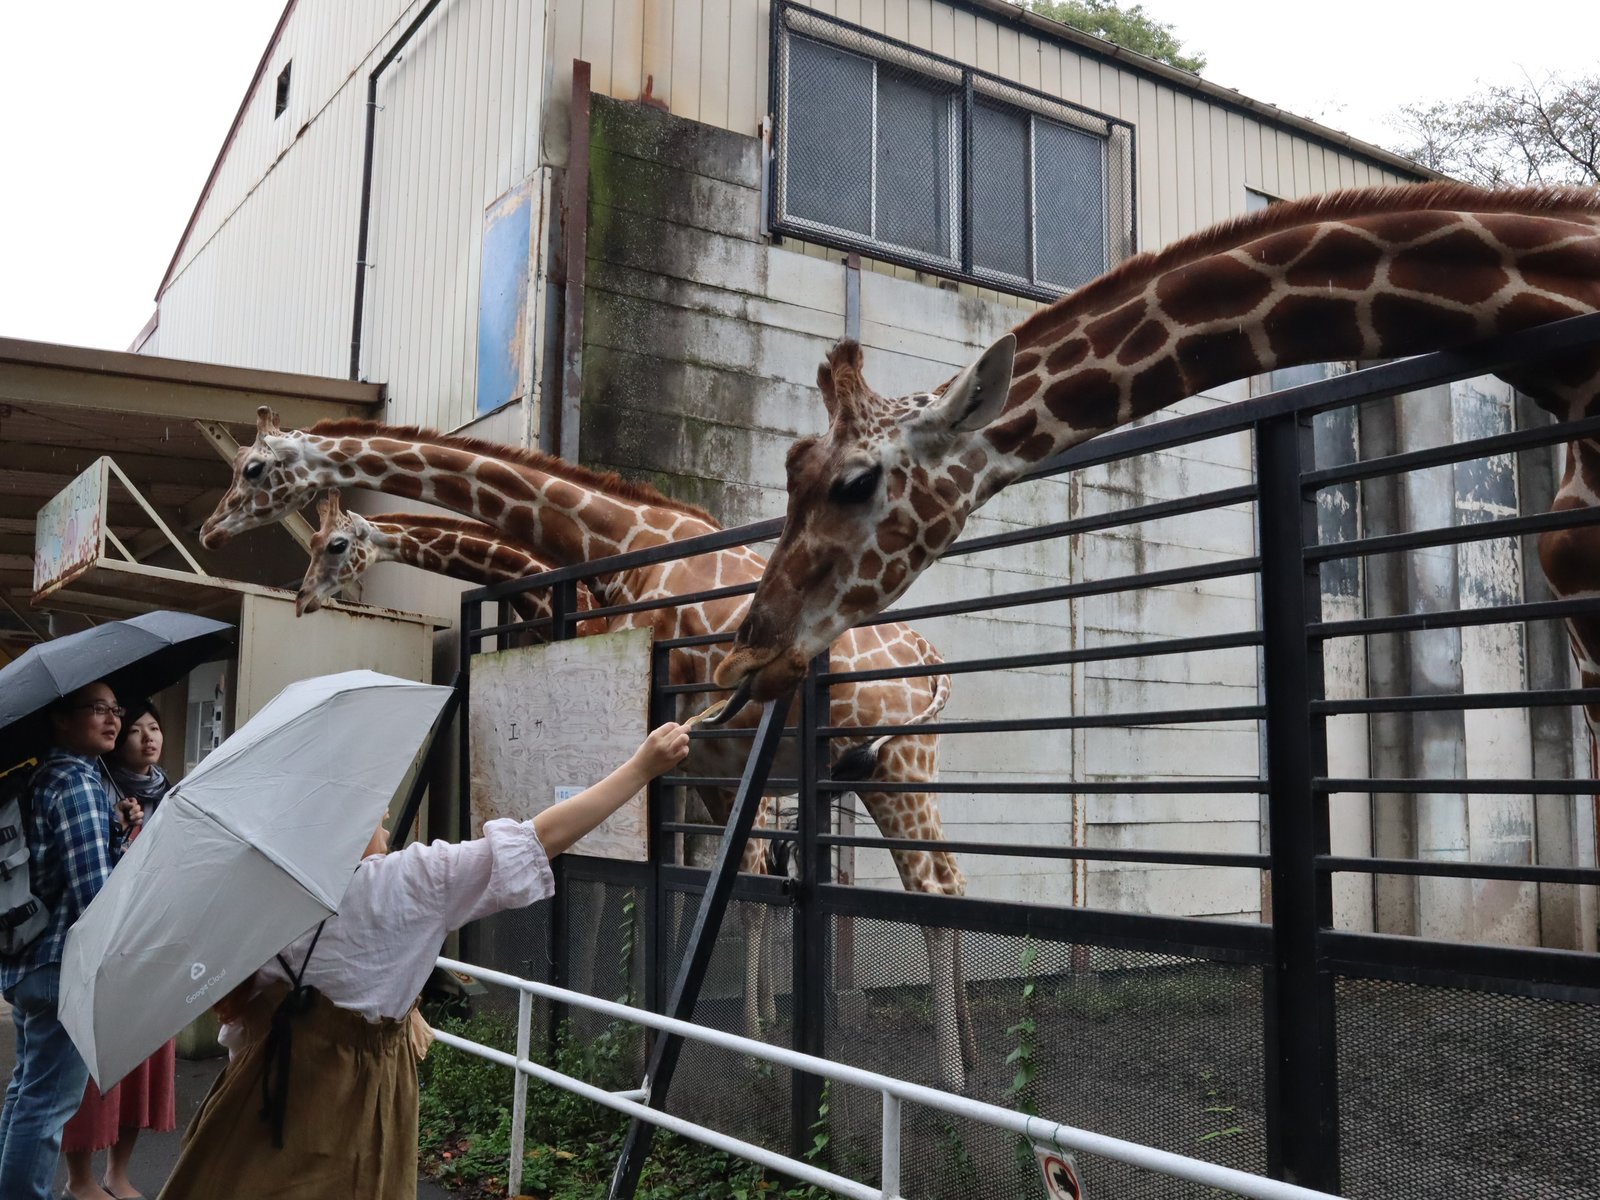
x: 101, y: 709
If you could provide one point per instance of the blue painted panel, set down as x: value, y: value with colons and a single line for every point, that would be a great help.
x: 503, y: 298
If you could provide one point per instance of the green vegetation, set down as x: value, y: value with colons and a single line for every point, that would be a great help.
x: 571, y: 1145
x: 1131, y: 28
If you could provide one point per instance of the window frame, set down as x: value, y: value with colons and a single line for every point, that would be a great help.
x: 969, y: 86
x: 854, y: 236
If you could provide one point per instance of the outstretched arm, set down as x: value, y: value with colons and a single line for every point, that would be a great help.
x: 560, y: 825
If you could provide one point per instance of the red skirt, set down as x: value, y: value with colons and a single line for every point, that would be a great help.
x: 146, y: 1099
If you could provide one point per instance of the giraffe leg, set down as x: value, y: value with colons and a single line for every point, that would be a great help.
x: 942, y: 973
x: 969, y: 1040
x: 753, y: 918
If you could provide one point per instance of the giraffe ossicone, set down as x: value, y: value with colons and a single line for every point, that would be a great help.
x: 1375, y: 273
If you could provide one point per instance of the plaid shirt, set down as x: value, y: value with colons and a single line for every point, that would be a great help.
x: 73, y: 843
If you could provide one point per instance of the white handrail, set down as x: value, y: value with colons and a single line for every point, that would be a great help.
x: 894, y: 1092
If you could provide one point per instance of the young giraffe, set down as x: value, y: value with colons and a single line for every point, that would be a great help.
x: 1377, y: 273
x: 568, y: 515
x: 347, y: 545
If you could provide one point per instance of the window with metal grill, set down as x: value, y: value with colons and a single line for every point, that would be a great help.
x: 915, y: 159
x: 281, y: 101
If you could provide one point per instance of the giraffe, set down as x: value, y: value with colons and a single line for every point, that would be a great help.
x: 348, y: 544
x: 568, y: 514
x: 1363, y: 274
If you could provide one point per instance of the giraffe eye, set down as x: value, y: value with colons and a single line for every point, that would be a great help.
x: 858, y: 489
x: 253, y: 471
x: 338, y: 545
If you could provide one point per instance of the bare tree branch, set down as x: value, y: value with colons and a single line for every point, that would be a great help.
x: 1532, y: 133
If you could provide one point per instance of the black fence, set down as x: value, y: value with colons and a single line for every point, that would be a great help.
x: 1366, y: 1063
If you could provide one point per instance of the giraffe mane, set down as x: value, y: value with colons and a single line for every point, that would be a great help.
x: 1108, y: 289
x: 608, y: 482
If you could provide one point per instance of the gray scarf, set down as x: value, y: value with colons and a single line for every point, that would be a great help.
x: 146, y: 789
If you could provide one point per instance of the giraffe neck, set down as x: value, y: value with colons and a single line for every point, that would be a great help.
x: 458, y: 553
x: 564, y: 515
x: 1391, y: 277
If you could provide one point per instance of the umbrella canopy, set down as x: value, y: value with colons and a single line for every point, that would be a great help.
x: 251, y: 850
x: 137, y: 657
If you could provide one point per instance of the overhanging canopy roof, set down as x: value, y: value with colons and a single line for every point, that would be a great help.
x: 62, y: 407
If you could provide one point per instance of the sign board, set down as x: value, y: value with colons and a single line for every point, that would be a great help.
x: 548, y: 721
x: 69, y: 534
x: 1060, y: 1171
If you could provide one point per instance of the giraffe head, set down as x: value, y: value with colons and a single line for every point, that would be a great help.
x: 872, y: 501
x: 270, y: 481
x: 341, y: 551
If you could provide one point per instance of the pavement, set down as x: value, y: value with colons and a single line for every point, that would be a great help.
x: 155, y: 1153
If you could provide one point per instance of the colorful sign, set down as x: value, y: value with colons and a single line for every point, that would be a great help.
x: 1060, y: 1172
x: 69, y: 533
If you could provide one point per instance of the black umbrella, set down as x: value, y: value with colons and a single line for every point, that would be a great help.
x: 136, y: 657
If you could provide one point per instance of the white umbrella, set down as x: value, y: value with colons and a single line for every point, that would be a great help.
x: 251, y: 850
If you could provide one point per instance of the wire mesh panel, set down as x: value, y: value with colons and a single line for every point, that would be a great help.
x: 517, y: 942
x: 724, y: 1090
x: 912, y: 157
x: 1153, y: 1048
x: 1447, y: 1094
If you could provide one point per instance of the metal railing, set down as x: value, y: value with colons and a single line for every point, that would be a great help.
x: 895, y: 1094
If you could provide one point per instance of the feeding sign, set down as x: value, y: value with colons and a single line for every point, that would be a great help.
x: 1060, y: 1172
x: 549, y: 721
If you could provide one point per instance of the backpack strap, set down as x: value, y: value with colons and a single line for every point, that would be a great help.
x: 280, y: 1041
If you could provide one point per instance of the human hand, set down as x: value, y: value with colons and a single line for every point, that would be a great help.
x: 130, y: 813
x: 665, y: 748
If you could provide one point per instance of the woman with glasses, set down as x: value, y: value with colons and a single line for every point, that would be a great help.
x: 76, y: 831
x: 146, y: 1098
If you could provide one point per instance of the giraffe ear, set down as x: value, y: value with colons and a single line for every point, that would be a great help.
x: 977, y: 395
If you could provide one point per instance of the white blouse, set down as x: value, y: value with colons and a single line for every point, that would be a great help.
x: 375, y: 954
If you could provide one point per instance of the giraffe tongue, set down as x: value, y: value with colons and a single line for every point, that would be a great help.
x: 730, y: 707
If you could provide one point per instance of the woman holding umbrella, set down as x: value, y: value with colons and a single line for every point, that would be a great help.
x: 323, y: 1032
x: 145, y: 1099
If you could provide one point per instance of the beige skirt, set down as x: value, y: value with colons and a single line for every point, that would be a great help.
x: 350, y: 1128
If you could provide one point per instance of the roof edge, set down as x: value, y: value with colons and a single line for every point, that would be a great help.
x: 150, y: 368
x: 1010, y: 13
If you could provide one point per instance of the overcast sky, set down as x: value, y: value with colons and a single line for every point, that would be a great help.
x: 111, y: 113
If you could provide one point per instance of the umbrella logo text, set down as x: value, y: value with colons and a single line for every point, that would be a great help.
x: 194, y: 973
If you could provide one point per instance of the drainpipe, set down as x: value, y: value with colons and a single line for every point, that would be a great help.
x: 366, y: 181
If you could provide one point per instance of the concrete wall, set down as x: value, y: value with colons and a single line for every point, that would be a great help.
x: 701, y: 349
